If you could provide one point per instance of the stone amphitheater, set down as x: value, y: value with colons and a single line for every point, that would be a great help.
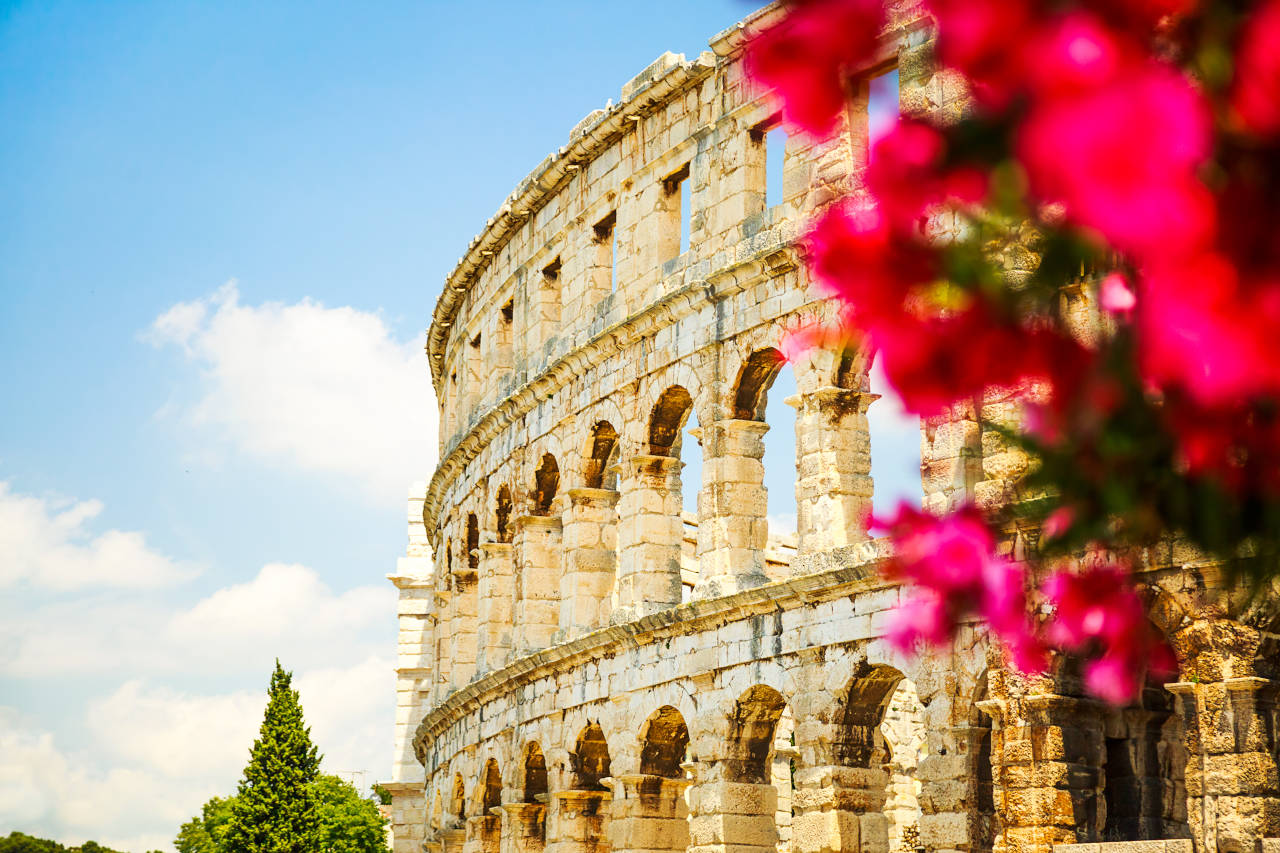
x: 585, y: 668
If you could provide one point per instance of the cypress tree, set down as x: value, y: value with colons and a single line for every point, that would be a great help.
x: 274, y: 810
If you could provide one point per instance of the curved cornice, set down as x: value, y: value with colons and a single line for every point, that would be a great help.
x: 768, y: 253
x: 859, y: 576
x: 651, y: 90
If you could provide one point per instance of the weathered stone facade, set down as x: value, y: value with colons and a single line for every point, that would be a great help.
x: 578, y: 675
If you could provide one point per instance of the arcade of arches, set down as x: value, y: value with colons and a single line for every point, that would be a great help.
x: 587, y: 665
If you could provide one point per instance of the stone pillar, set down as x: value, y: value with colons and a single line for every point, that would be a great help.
x: 649, y: 815
x: 452, y: 840
x: 463, y: 634
x: 484, y: 834
x: 539, y: 564
x: 733, y: 526
x: 494, y: 609
x: 524, y: 827
x: 732, y: 817
x: 442, y: 629
x: 650, y: 533
x: 408, y: 822
x: 591, y: 559
x: 1232, y: 780
x: 1050, y: 751
x: 578, y: 822
x: 956, y: 801
x: 833, y: 458
x: 840, y: 808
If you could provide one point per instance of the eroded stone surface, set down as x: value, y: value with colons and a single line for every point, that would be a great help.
x: 584, y: 668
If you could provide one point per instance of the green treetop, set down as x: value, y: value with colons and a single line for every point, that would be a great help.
x: 274, y: 810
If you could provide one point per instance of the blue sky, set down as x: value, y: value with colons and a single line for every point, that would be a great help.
x: 222, y: 230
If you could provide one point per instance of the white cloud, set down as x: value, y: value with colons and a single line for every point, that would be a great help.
x: 285, y: 611
x: 149, y: 756
x: 325, y: 390
x: 46, y: 544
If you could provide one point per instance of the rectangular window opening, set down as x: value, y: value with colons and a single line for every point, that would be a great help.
x: 678, y: 204
x: 775, y: 160
x: 606, y: 256
x: 475, y: 342
x: 882, y: 105
x: 509, y: 310
x: 551, y: 272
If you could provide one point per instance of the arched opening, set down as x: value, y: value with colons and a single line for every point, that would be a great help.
x: 762, y: 390
x: 672, y: 422
x: 887, y: 788
x: 436, y: 820
x: 664, y: 741
x: 535, y: 774
x: 602, y: 456
x: 502, y: 513
x: 546, y: 481
x: 759, y: 753
x: 903, y: 731
x: 485, y: 828
x: 984, y: 832
x: 669, y: 415
x: 473, y: 541
x: 1143, y: 787
x: 490, y: 793
x: 458, y: 802
x: 589, y: 761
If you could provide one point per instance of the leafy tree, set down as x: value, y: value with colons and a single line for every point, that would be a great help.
x: 349, y: 823
x: 20, y: 842
x: 274, y: 810
x: 206, y: 832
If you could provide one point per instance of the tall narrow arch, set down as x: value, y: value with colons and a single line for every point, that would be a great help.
x: 859, y: 744
x: 754, y: 380
x: 458, y: 802
x: 667, y: 419
x: 502, y: 514
x: 534, y: 783
x: 546, y: 480
x: 664, y: 739
x: 489, y: 790
x: 602, y: 453
x: 473, y: 541
x: 589, y: 761
x: 755, y: 717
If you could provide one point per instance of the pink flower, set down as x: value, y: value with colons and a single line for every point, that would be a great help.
x: 978, y: 39
x: 953, y: 564
x: 1113, y: 678
x: 1058, y: 522
x: 1078, y: 53
x: 1255, y: 92
x: 1115, y: 296
x: 808, y: 53
x: 1203, y: 330
x: 856, y: 255
x: 906, y: 176
x: 922, y: 618
x: 1122, y: 161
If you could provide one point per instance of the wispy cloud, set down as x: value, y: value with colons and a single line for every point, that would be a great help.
x: 327, y: 390
x: 47, y: 544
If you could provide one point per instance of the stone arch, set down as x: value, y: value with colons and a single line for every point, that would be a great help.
x: 502, y: 508
x: 982, y: 769
x: 664, y: 741
x: 589, y: 761
x: 857, y: 740
x: 667, y: 418
x: 488, y: 794
x: 902, y: 729
x: 546, y: 484
x: 852, y: 368
x: 533, y: 781
x: 754, y: 379
x: 601, y: 457
x: 458, y: 799
x: 751, y: 730
x: 473, y: 541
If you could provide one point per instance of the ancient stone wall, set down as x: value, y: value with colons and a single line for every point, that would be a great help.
x: 584, y: 668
